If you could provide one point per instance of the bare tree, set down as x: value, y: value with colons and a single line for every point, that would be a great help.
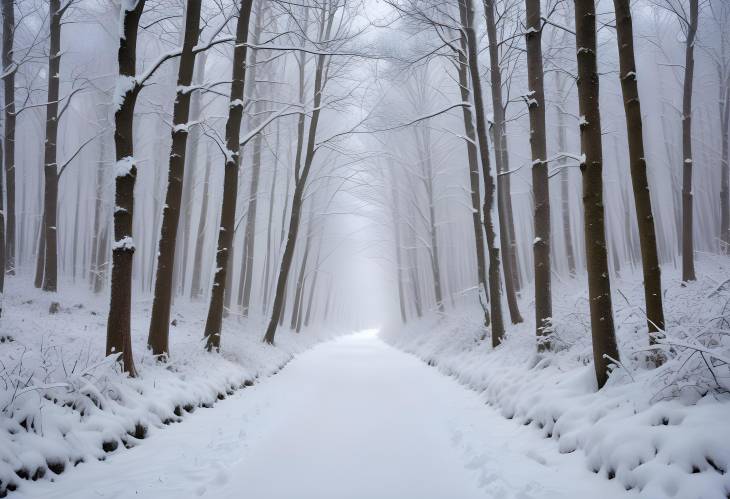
x: 605, y: 350
x: 7, y: 241
x: 159, y: 332
x: 536, y: 105
x: 213, y: 324
x: 642, y: 196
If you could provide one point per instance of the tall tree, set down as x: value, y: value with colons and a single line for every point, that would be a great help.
x: 605, y: 350
x: 7, y: 239
x: 639, y: 180
x: 688, y: 264
x: 159, y: 332
x: 214, y: 322
x: 328, y: 11
x: 536, y: 105
x: 466, y: 13
x: 118, y: 334
x: 504, y: 200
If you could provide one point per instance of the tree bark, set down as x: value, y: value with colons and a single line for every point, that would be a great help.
x: 564, y: 174
x: 473, y: 159
x: 272, y: 196
x: 9, y: 69
x: 159, y: 332
x: 639, y: 180
x: 536, y: 105
x: 214, y: 321
x: 118, y: 334
x: 504, y: 201
x: 299, y: 290
x: 50, y: 168
x: 466, y: 11
x: 725, y: 168
x: 605, y: 350
x: 688, y: 264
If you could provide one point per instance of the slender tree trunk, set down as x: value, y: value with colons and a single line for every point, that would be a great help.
x: 189, y: 178
x: 313, y: 287
x: 50, y: 169
x: 40, y: 254
x: 249, y: 237
x: 466, y: 10
x: 299, y: 290
x: 118, y: 334
x: 272, y: 196
x: 640, y: 182
x: 195, y: 286
x: 504, y: 201
x: 564, y: 174
x: 688, y: 264
x: 599, y: 283
x: 159, y: 332
x: 9, y: 69
x: 96, y: 274
x: 536, y: 105
x: 230, y: 183
x: 473, y: 159
x: 300, y: 183
x: 725, y: 168
x: 2, y: 239
x: 395, y: 213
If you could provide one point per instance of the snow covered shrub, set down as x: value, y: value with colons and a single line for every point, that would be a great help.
x: 663, y: 431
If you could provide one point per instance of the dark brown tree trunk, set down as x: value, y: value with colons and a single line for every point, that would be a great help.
x: 118, y: 334
x: 688, y: 264
x: 300, y: 183
x: 725, y: 168
x: 639, y: 180
x: 50, y: 169
x: 9, y: 70
x: 195, y: 286
x: 40, y: 254
x: 504, y: 201
x: 536, y: 105
x: 159, y: 332
x: 599, y: 283
x: 214, y: 321
x: 466, y: 10
x: 473, y: 158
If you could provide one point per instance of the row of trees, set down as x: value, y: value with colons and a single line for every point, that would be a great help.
x: 521, y: 55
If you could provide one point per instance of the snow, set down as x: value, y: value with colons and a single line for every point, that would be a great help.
x: 124, y: 166
x: 125, y: 243
x: 352, y: 418
x: 62, y: 401
x: 124, y: 85
x: 659, y: 432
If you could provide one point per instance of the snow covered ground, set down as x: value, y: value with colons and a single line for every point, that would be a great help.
x: 352, y: 418
x: 660, y: 433
x: 62, y: 403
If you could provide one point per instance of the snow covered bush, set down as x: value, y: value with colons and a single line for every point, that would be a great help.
x: 62, y: 402
x: 662, y: 432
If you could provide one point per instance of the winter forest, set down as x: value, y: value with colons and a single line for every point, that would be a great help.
x: 365, y: 249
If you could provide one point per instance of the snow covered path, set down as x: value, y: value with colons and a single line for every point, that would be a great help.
x: 350, y: 419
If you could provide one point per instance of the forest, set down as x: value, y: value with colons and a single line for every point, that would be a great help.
x: 326, y: 239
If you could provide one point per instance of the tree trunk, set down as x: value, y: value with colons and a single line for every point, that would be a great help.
x: 230, y: 182
x: 50, y: 169
x: 725, y: 168
x: 9, y: 69
x: 688, y: 264
x: 299, y: 291
x: 272, y: 195
x: 564, y: 174
x: 195, y: 286
x: 96, y: 274
x: 536, y: 105
x: 472, y: 155
x: 639, y: 180
x: 313, y: 287
x: 300, y: 184
x: 466, y: 11
x: 504, y: 201
x: 395, y: 213
x: 40, y: 254
x: 118, y: 334
x: 159, y: 332
x: 599, y: 283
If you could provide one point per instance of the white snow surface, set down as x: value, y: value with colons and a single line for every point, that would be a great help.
x: 352, y: 418
x: 61, y: 399
x: 660, y: 433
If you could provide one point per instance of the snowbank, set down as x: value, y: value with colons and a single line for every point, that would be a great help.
x: 660, y: 432
x: 63, y: 403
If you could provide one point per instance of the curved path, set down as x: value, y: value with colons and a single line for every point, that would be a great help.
x: 350, y: 419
